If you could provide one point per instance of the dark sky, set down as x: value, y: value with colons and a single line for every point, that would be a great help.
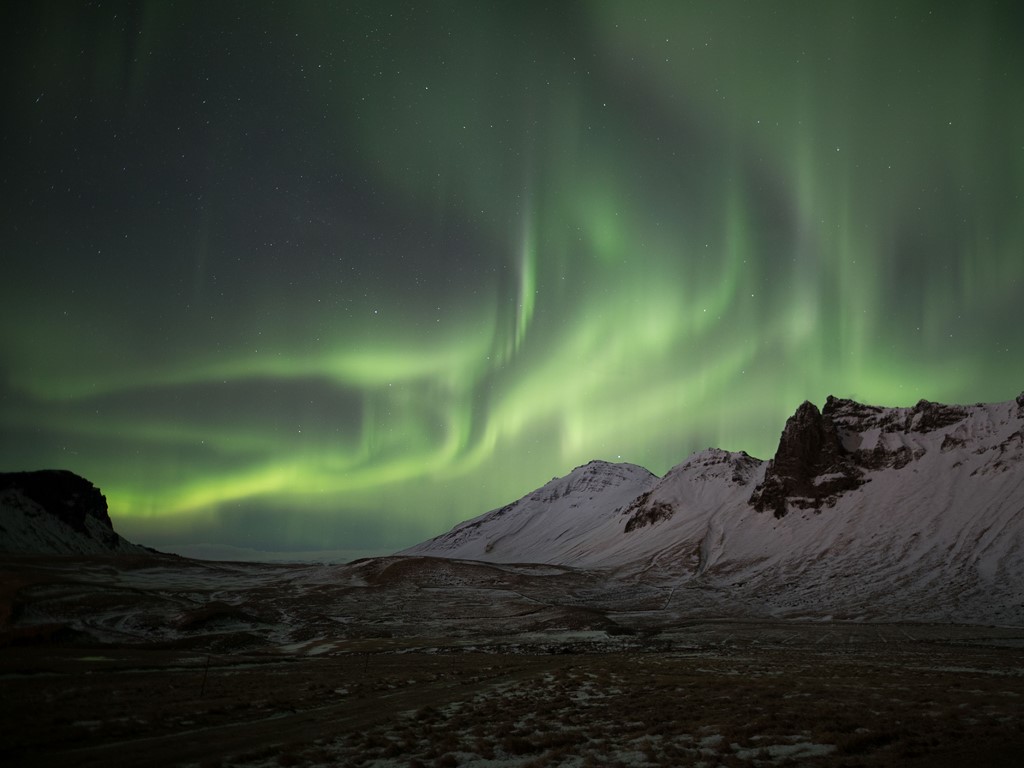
x: 335, y: 276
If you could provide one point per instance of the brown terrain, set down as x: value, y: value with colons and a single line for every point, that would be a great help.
x: 151, y: 661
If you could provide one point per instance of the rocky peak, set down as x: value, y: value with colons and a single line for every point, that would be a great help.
x: 810, y: 467
x: 806, y: 439
x: 55, y: 511
x: 61, y: 493
x: 927, y: 416
x: 824, y: 454
x: 842, y: 410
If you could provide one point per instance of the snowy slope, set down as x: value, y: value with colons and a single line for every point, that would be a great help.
x: 935, y: 530
x: 608, y: 515
x: 56, y: 512
x: 865, y: 512
x: 558, y: 523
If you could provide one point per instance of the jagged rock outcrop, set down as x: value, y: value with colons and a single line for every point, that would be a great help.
x: 642, y: 511
x: 822, y: 455
x: 923, y: 418
x: 811, y: 466
x: 57, y: 512
x: 61, y: 493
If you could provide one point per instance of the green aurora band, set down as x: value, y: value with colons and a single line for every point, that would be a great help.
x: 339, y: 276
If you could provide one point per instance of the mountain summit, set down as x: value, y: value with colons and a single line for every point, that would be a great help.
x: 863, y: 511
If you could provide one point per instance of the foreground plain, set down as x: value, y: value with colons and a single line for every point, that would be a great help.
x: 170, y: 662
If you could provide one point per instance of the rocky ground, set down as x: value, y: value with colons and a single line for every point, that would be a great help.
x: 140, y: 663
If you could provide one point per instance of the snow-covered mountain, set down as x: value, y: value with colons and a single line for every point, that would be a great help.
x: 565, y: 521
x: 54, y: 511
x: 863, y: 512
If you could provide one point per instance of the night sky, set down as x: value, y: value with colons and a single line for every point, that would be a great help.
x: 336, y: 276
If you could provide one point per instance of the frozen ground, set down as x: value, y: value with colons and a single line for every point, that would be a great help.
x: 408, y: 661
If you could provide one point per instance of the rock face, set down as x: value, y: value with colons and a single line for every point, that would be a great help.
x: 811, y: 467
x: 63, y: 494
x: 55, y: 511
x: 823, y: 455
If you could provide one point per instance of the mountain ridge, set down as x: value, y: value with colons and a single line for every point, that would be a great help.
x: 863, y: 510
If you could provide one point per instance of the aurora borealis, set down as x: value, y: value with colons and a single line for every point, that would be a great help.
x: 335, y: 276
